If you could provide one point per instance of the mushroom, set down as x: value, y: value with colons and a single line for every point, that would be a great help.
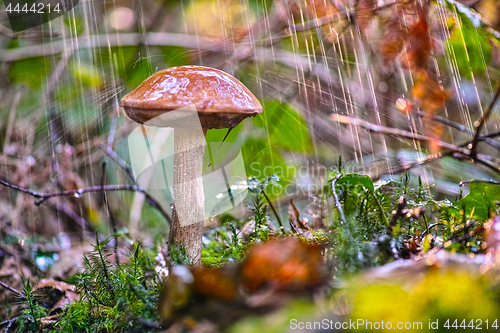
x: 165, y: 100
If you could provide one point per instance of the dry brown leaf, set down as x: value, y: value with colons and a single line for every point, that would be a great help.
x: 298, y: 225
x: 490, y: 12
x: 428, y: 94
x: 364, y: 13
x: 394, y: 39
x: 320, y: 8
x: 215, y: 282
x: 284, y: 264
x: 56, y: 295
x: 418, y: 42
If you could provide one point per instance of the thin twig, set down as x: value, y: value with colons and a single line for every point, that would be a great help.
x: 29, y: 33
x: 244, y: 49
x: 65, y: 209
x: 112, y: 40
x: 433, y: 157
x: 275, y: 212
x: 428, y: 230
x: 481, y: 122
x: 9, y: 323
x: 447, y: 122
x: 381, y: 209
x: 336, y: 198
x: 112, y: 127
x: 15, y: 291
x: 77, y: 193
x: 487, y: 139
x: 118, y: 160
x: 452, y: 149
x: 110, y: 212
x: 464, y: 182
x: 128, y: 170
x: 397, y: 132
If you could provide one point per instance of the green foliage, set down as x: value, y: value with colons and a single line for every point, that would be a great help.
x: 481, y: 201
x: 373, y: 235
x: 114, y: 298
x: 31, y: 309
x: 86, y: 74
x: 29, y: 71
x: 137, y: 72
x: 175, y: 56
x: 284, y: 130
x: 354, y: 180
x: 222, y: 245
x: 261, y: 159
x: 287, y: 129
x: 439, y: 296
x: 469, y: 47
x: 277, y: 322
x: 260, y: 6
x: 75, y: 22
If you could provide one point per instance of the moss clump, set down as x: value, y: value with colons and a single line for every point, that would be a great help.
x: 113, y: 298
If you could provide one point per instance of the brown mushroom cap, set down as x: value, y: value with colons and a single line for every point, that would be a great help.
x: 220, y: 99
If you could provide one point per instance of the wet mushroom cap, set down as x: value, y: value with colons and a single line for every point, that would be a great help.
x: 220, y: 99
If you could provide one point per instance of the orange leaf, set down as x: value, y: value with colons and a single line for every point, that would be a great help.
x: 427, y: 93
x: 393, y: 44
x: 285, y: 264
x: 215, y: 282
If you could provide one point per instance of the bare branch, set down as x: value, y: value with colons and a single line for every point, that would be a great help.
x: 397, y: 132
x: 481, y: 122
x: 110, y: 212
x: 464, y: 182
x: 29, y: 33
x: 487, y: 139
x: 275, y: 212
x: 336, y: 198
x: 15, y: 291
x: 170, y: 39
x: 128, y: 171
x: 66, y: 210
x: 113, y: 40
x: 76, y: 193
x: 452, y: 149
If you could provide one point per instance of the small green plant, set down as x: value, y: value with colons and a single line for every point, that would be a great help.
x: 114, y: 298
x: 365, y: 224
x: 227, y: 242
x: 222, y: 245
x: 259, y: 207
x: 31, y: 310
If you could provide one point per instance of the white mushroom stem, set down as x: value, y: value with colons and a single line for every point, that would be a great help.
x: 189, y: 201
